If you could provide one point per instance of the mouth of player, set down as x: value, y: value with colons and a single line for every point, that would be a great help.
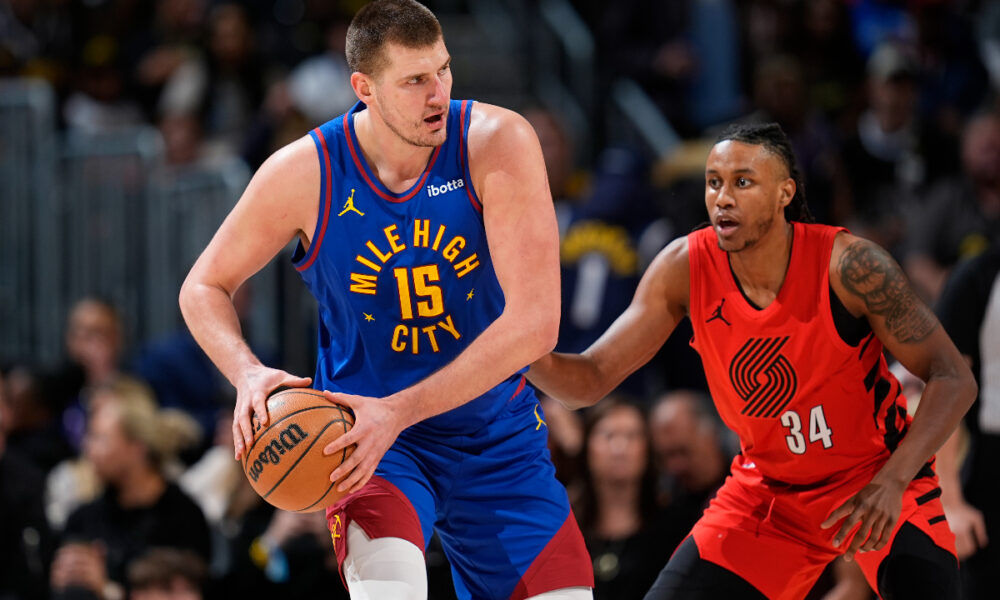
x: 726, y: 225
x: 435, y: 120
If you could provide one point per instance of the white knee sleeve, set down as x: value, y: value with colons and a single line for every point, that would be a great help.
x: 383, y: 568
x: 573, y: 593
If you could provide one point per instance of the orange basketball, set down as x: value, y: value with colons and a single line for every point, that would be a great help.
x: 285, y: 464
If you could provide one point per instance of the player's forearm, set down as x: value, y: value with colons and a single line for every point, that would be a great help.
x: 947, y: 469
x: 212, y: 320
x: 572, y: 379
x: 507, y: 345
x: 944, y: 401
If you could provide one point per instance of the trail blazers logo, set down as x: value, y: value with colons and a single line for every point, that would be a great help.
x: 763, y: 377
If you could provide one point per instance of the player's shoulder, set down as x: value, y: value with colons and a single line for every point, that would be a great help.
x: 496, y: 128
x: 293, y: 160
x: 670, y: 271
x: 851, y: 252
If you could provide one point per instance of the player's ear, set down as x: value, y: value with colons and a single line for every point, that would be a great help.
x: 363, y: 87
x: 786, y: 191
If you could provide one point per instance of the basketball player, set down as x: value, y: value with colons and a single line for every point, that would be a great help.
x: 790, y: 319
x: 426, y: 232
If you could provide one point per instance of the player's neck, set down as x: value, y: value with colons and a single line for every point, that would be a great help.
x: 397, y: 163
x: 761, y: 269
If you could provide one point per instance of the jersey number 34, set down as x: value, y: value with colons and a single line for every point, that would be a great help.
x: 819, y: 431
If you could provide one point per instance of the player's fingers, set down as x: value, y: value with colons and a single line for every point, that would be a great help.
x: 296, y: 381
x: 845, y: 529
x: 237, y: 438
x: 344, y: 441
x: 859, y: 538
x: 259, y: 403
x: 838, y: 513
x: 357, y: 479
x: 245, y: 432
x: 338, y: 398
x: 344, y: 469
x: 876, y: 537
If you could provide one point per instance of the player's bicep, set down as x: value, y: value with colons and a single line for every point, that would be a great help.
x: 874, y: 284
x: 281, y: 201
x: 518, y: 216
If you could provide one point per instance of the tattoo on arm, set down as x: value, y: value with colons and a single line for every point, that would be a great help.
x: 869, y: 272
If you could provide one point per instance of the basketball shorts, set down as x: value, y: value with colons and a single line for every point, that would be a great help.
x: 503, y: 519
x: 771, y: 536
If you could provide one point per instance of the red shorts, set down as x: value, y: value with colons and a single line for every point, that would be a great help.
x: 771, y: 535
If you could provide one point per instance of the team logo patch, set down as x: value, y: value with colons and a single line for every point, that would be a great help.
x: 763, y: 377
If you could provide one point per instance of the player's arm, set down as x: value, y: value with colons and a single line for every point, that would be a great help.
x: 870, y: 283
x: 280, y: 202
x: 660, y: 302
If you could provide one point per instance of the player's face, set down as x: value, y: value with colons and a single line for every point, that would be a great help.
x: 746, y: 190
x: 412, y: 93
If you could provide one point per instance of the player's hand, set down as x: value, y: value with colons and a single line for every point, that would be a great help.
x: 377, y: 424
x: 871, y: 515
x: 968, y: 525
x: 252, y: 391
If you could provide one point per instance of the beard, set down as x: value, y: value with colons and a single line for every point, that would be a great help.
x: 756, y: 232
x: 417, y: 138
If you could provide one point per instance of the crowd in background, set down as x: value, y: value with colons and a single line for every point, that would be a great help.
x: 116, y: 476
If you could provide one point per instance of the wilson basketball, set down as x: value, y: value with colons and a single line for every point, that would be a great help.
x: 285, y: 464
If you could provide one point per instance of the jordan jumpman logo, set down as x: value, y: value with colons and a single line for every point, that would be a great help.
x: 349, y: 206
x: 717, y: 314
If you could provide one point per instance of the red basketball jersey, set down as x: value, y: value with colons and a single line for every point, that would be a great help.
x: 809, y: 409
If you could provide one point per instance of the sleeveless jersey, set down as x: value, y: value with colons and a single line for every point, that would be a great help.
x: 808, y: 408
x: 404, y: 281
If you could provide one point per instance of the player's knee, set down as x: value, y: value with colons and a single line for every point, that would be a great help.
x: 573, y: 593
x: 383, y: 568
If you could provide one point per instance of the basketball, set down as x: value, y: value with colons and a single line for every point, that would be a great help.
x: 285, y: 465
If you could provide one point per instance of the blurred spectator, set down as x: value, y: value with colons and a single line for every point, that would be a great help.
x: 969, y: 309
x: 565, y: 442
x: 780, y: 94
x: 954, y: 81
x: 288, y: 556
x: 99, y: 102
x: 36, y: 40
x: 961, y: 215
x: 167, y: 574
x: 892, y: 155
x: 833, y: 67
x: 693, y: 449
x: 319, y: 86
x: 646, y: 40
x: 25, y: 539
x: 29, y: 418
x: 168, y: 71
x: 565, y: 183
x: 94, y: 346
x: 617, y: 508
x: 131, y: 446
x: 75, y: 481
x: 235, y: 85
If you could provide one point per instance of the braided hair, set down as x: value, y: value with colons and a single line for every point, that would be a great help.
x: 774, y: 140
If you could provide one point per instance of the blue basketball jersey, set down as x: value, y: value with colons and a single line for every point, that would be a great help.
x: 404, y: 281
